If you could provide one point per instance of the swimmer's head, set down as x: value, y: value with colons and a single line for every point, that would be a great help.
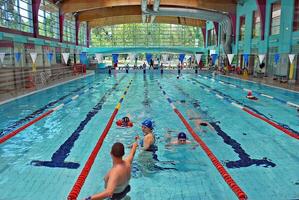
x: 249, y: 93
x: 126, y: 119
x: 148, y: 124
x: 182, y: 137
x: 177, y: 76
x: 118, y: 150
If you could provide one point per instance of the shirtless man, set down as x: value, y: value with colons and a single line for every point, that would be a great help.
x: 117, y: 179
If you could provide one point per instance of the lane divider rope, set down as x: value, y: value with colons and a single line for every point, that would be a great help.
x: 225, y: 175
x: 249, y: 111
x: 256, y: 92
x: 73, y: 195
x: 15, y: 132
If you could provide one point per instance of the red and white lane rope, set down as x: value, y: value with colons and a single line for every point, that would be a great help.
x: 225, y: 175
x: 73, y: 195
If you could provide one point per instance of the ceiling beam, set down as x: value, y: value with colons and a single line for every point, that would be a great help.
x: 138, y: 19
x: 71, y: 6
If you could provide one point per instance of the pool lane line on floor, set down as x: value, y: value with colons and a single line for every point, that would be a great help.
x: 245, y: 159
x: 249, y: 90
x: 73, y: 195
x: 15, y: 132
x: 40, y: 111
x: 60, y: 155
x: 226, y: 176
x: 246, y: 109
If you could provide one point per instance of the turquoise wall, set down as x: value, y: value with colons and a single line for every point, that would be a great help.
x: 283, y: 41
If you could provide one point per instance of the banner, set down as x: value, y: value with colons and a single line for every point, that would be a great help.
x: 261, y: 58
x: 33, y: 56
x: 181, y: 57
x: 291, y: 57
x: 198, y: 58
x: 50, y: 56
x: 148, y: 56
x: 65, y: 57
x: 212, y: 52
x: 2, y: 55
x: 246, y: 58
x: 115, y: 58
x: 99, y: 57
x: 230, y: 58
x: 18, y: 56
x: 165, y: 57
x: 83, y: 57
x: 276, y: 58
x: 214, y: 58
x: 132, y: 57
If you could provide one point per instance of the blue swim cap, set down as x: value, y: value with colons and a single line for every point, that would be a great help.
x: 182, y: 135
x: 148, y: 123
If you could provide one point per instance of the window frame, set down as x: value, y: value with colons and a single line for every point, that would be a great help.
x: 275, y: 18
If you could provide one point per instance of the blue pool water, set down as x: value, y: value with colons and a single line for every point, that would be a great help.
x: 44, y: 160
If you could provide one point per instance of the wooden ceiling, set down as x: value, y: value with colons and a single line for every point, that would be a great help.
x: 109, y: 12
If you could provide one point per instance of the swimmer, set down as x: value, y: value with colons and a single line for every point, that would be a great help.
x: 124, y: 122
x: 117, y: 179
x: 181, y: 139
x: 148, y: 142
x: 250, y: 96
x: 177, y: 76
x: 200, y: 124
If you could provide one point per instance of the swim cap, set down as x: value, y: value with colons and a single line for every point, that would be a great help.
x: 182, y: 135
x: 126, y: 119
x: 148, y: 123
x: 249, y: 93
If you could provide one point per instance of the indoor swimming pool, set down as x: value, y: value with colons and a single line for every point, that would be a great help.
x: 47, y: 137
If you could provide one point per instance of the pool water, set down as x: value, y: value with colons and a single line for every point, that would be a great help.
x: 44, y: 160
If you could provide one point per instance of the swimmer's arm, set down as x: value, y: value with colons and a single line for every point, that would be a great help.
x: 108, y: 192
x: 132, y: 153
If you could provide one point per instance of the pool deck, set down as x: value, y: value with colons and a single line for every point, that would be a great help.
x: 10, y: 96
